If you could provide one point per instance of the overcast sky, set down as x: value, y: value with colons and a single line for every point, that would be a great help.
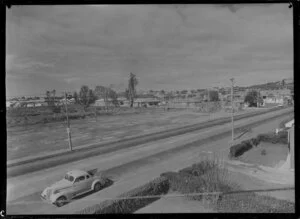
x: 167, y: 46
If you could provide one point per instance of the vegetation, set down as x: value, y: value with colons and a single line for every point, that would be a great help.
x: 280, y: 138
x: 109, y: 96
x: 86, y: 96
x: 208, y: 176
x: 131, y: 91
x: 158, y: 186
x: 253, y: 203
x: 241, y: 148
x: 253, y: 98
x: 213, y: 95
x: 263, y: 152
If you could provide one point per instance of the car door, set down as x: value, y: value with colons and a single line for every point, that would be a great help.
x: 79, y: 185
x: 89, y: 182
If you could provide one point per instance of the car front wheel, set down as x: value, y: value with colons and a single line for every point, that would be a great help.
x: 97, y: 187
x: 61, y: 201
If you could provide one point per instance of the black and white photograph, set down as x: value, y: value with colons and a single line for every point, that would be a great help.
x: 150, y: 108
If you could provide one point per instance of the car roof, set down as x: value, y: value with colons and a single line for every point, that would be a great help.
x: 76, y: 173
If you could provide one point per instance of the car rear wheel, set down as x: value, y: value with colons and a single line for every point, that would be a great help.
x: 61, y: 201
x: 97, y: 187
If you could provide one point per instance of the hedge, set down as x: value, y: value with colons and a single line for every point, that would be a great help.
x: 280, y: 138
x: 158, y: 186
x: 239, y: 149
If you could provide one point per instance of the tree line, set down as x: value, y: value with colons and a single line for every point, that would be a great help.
x: 87, y: 96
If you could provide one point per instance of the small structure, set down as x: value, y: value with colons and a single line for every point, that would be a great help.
x: 292, y: 146
x: 289, y: 124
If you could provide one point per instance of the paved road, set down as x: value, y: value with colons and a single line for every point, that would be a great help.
x: 121, y: 165
x: 19, y: 168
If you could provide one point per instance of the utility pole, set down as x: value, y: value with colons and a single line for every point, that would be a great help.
x: 232, y: 112
x: 68, y: 124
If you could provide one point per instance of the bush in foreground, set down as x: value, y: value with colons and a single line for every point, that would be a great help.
x: 216, y: 179
x: 158, y: 186
x: 203, y: 177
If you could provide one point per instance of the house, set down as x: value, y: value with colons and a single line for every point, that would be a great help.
x: 146, y: 102
x: 276, y: 96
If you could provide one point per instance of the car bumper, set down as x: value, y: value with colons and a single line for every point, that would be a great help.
x: 44, y: 199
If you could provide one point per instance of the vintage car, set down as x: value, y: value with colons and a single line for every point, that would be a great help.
x: 74, y: 183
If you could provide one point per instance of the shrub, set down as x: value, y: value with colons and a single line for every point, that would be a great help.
x: 205, y: 176
x: 254, y: 141
x: 263, y: 152
x: 156, y: 187
x: 239, y: 149
x: 199, y: 168
x: 281, y: 137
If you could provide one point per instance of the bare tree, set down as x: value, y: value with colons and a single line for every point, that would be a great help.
x: 132, y: 83
x: 109, y: 96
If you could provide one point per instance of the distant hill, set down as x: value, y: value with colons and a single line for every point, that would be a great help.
x: 286, y: 83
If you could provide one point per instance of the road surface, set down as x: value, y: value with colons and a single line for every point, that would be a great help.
x: 26, y: 166
x: 124, y: 165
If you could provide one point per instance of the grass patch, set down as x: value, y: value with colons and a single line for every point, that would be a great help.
x: 158, y: 186
x: 253, y: 203
x: 239, y: 149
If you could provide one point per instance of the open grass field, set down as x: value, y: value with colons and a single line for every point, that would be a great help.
x: 31, y: 140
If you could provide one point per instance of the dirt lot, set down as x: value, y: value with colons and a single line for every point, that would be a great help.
x: 37, y: 139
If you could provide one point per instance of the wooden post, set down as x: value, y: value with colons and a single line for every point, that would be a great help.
x: 68, y: 124
x: 232, y: 112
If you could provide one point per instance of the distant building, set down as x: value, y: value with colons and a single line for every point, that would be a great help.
x: 276, y: 96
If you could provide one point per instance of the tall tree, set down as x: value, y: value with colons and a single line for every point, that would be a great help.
x: 253, y: 98
x: 86, y: 96
x: 213, y: 95
x: 75, y: 96
x: 132, y: 83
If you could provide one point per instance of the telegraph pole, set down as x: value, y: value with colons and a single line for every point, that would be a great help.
x: 232, y: 112
x: 68, y: 124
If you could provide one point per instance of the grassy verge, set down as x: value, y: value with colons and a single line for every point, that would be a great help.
x: 209, y: 176
x: 158, y: 186
x: 253, y: 203
x: 244, y: 146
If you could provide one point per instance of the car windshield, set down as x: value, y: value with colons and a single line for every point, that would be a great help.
x: 69, y: 178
